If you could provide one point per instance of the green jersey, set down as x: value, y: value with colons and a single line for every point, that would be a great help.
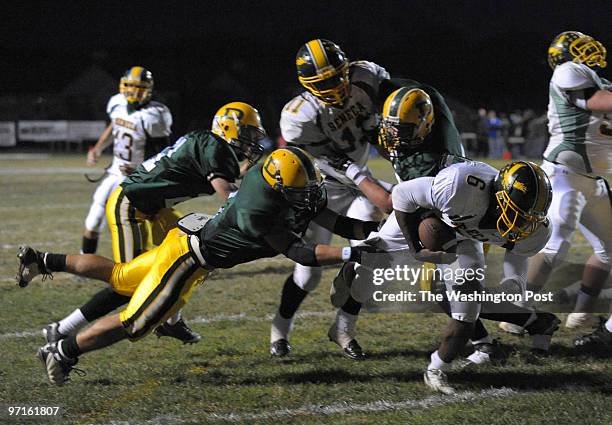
x: 444, y: 138
x: 235, y: 235
x: 181, y: 172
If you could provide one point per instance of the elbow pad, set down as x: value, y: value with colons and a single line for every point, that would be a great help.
x: 302, y: 253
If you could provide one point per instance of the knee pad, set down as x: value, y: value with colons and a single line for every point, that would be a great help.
x: 95, y: 218
x: 307, y: 278
x: 555, y: 251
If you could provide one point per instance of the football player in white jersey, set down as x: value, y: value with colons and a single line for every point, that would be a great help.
x: 506, y: 208
x: 336, y: 113
x: 139, y: 128
x: 579, y: 150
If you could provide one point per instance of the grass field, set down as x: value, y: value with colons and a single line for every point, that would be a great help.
x: 229, y: 376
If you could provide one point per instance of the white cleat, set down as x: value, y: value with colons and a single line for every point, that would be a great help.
x: 436, y: 380
x: 581, y: 320
x: 511, y: 328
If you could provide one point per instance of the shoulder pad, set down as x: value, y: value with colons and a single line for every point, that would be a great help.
x: 299, y: 120
x: 574, y: 76
x: 114, y: 101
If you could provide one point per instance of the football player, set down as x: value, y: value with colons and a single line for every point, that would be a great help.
x: 138, y: 129
x: 579, y: 150
x: 335, y: 114
x: 276, y: 201
x: 506, y: 208
x: 141, y: 208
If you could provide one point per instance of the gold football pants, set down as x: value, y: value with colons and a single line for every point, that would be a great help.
x: 133, y: 232
x: 160, y: 283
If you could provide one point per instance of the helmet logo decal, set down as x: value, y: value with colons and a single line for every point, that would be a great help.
x: 520, y: 186
x: 234, y: 113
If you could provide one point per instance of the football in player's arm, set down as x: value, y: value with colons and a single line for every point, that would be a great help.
x: 276, y: 202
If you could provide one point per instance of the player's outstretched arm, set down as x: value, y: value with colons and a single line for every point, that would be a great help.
x: 346, y: 227
x: 223, y: 187
x: 600, y: 101
x: 104, y: 140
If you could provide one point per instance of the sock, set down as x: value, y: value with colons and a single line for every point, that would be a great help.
x: 280, y: 328
x: 480, y: 334
x: 609, y: 324
x: 291, y: 298
x: 173, y: 319
x: 102, y: 303
x: 344, y: 325
x: 54, y: 262
x: 72, y: 323
x: 69, y: 348
x: 351, y: 306
x: 586, y: 300
x: 89, y: 246
x: 519, y: 319
x: 437, y: 363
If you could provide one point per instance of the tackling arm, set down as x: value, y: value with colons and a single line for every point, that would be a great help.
x: 223, y: 187
x: 600, y: 101
x: 346, y: 227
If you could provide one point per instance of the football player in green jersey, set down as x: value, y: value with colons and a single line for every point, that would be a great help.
x: 268, y: 216
x: 141, y: 211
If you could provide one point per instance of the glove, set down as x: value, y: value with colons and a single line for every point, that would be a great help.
x: 437, y: 257
x: 356, y: 252
x: 342, y: 163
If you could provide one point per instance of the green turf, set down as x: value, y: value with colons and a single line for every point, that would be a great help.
x: 229, y: 371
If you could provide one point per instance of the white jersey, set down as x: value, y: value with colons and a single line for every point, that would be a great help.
x: 322, y: 129
x: 571, y: 126
x: 461, y: 194
x: 131, y: 130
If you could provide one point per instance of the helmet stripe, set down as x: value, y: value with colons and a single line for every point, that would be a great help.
x: 315, y: 47
x: 397, y: 102
x: 307, y: 164
x: 136, y: 73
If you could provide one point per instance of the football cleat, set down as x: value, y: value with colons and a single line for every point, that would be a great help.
x: 580, y: 320
x: 511, y: 328
x: 280, y: 348
x: 350, y: 347
x: 541, y: 331
x: 57, y: 365
x: 437, y: 380
x: 179, y: 331
x: 52, y: 334
x: 600, y: 338
x: 31, y: 264
x: 484, y: 353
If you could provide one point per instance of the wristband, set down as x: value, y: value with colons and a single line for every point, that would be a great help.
x: 346, y: 253
x: 356, y: 174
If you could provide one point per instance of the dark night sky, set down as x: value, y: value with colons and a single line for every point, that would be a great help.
x: 482, y: 53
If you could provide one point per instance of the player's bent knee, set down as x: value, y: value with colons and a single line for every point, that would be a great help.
x: 555, y: 251
x: 307, y: 278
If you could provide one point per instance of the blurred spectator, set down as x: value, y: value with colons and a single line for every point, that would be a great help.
x: 505, y: 134
x: 496, y: 141
x: 482, y: 134
x: 537, y: 136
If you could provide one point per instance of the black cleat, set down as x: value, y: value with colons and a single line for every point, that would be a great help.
x: 600, y: 338
x: 180, y: 331
x: 353, y: 351
x: 52, y: 334
x: 541, y: 331
x: 57, y: 366
x: 31, y: 264
x: 280, y: 348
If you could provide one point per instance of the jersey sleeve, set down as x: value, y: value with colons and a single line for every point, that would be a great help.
x: 413, y: 194
x: 572, y: 76
x: 444, y: 129
x: 369, y: 73
x: 157, y: 120
x: 299, y: 122
x: 535, y: 242
x: 222, y: 162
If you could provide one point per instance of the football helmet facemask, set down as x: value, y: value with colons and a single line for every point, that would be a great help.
x: 239, y: 124
x: 523, y: 194
x: 322, y: 68
x: 407, y: 118
x: 292, y: 172
x: 137, y: 85
x: 574, y: 46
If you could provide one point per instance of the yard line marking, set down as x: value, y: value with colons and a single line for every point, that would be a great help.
x: 330, y: 409
x: 198, y: 320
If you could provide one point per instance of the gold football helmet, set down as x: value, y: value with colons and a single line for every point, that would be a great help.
x: 239, y: 124
x: 574, y: 46
x: 292, y: 172
x: 137, y: 85
x: 523, y: 195
x: 322, y: 68
x: 407, y: 118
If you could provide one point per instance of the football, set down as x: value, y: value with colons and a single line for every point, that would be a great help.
x: 436, y: 235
